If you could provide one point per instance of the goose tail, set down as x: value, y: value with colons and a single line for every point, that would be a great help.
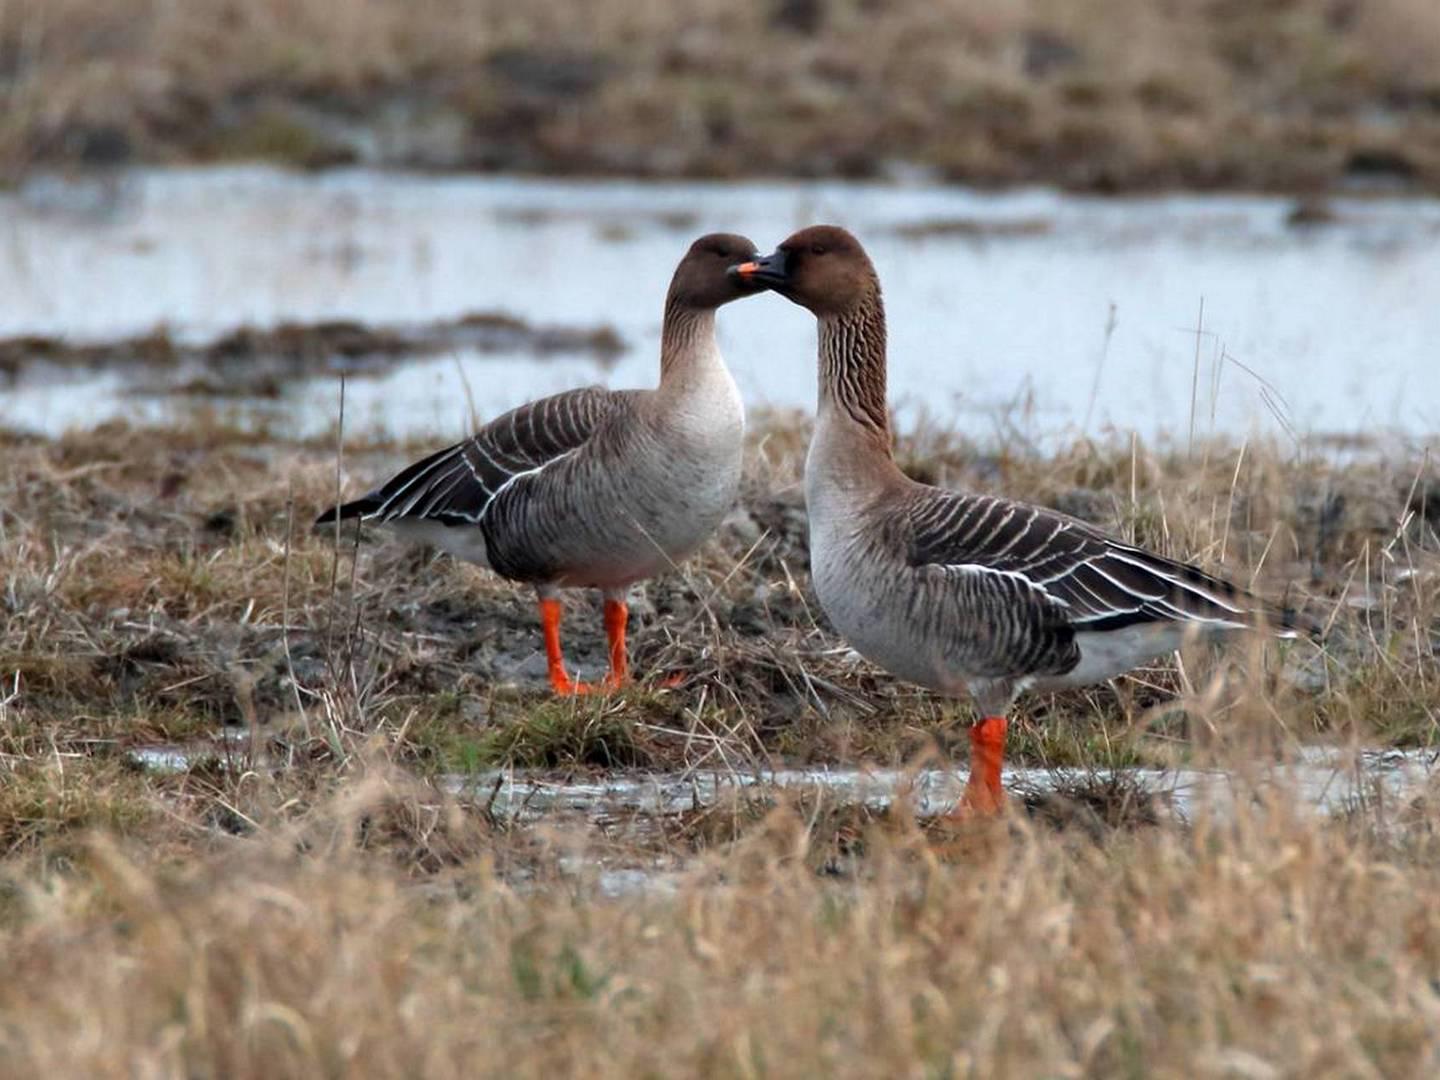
x: 362, y: 507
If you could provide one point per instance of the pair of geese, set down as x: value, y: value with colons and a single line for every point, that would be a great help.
x: 957, y: 592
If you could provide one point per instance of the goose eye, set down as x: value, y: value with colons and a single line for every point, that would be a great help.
x: 817, y: 249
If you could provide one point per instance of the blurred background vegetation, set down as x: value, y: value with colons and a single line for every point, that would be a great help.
x: 1095, y: 95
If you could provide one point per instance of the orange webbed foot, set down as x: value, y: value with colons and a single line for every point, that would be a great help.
x: 568, y: 687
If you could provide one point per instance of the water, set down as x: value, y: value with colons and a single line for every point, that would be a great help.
x: 1321, y: 778
x: 1326, y: 779
x: 999, y: 316
x: 636, y: 804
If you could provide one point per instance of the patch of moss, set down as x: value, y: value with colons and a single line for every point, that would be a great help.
x: 548, y: 733
x: 561, y: 732
x: 47, y: 803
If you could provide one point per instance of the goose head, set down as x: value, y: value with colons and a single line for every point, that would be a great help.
x: 823, y: 268
x: 702, y: 280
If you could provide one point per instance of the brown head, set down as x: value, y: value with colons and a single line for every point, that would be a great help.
x: 702, y: 281
x: 822, y: 268
x: 825, y: 269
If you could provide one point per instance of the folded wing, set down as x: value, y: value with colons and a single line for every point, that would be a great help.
x: 457, y: 485
x: 1096, y: 583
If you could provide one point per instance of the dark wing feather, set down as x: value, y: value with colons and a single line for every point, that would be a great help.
x: 1009, y: 627
x: 456, y: 486
x: 1103, y: 584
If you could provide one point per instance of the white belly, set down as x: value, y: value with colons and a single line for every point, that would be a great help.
x: 465, y: 542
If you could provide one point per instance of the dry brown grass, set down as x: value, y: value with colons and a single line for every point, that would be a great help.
x: 307, y: 897
x: 1274, y: 945
x: 163, y: 582
x: 1100, y: 94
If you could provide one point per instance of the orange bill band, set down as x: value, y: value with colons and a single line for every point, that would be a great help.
x: 745, y: 269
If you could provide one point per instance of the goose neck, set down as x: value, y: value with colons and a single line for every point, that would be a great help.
x: 687, y: 343
x: 852, y: 374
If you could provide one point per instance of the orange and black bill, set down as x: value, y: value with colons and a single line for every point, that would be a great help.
x: 767, y: 271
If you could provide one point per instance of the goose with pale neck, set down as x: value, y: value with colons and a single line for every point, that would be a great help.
x: 960, y: 592
x: 592, y: 488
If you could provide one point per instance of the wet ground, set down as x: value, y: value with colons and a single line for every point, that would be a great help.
x: 1031, y: 313
x: 645, y: 814
x: 1327, y: 779
x: 163, y: 296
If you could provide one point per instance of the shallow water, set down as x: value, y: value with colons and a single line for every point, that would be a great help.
x: 635, y: 804
x: 999, y: 303
x: 1324, y: 778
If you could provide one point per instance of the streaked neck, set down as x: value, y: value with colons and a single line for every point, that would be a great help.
x: 687, y: 342
x: 697, y: 391
x: 852, y: 375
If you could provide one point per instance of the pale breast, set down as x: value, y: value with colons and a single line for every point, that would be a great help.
x: 633, y: 503
x: 871, y: 600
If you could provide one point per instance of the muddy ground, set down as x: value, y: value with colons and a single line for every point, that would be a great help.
x: 162, y: 584
x: 255, y: 362
x: 323, y: 792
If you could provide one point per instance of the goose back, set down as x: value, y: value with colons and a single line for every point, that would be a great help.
x: 588, y: 487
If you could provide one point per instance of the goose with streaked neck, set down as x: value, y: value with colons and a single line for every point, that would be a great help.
x: 592, y: 488
x: 959, y: 592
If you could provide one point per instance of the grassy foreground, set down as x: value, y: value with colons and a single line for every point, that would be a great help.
x: 1092, y: 94
x: 306, y: 897
x: 1274, y: 947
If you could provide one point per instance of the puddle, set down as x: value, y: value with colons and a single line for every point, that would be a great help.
x: 1328, y: 780
x: 633, y: 806
x: 228, y: 744
x: 164, y: 759
x: 998, y: 303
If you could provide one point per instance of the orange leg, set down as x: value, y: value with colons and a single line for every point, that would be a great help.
x: 616, y: 616
x: 550, y: 624
x: 983, y: 793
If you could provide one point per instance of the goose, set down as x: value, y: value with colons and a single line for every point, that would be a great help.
x: 592, y: 488
x: 958, y: 592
